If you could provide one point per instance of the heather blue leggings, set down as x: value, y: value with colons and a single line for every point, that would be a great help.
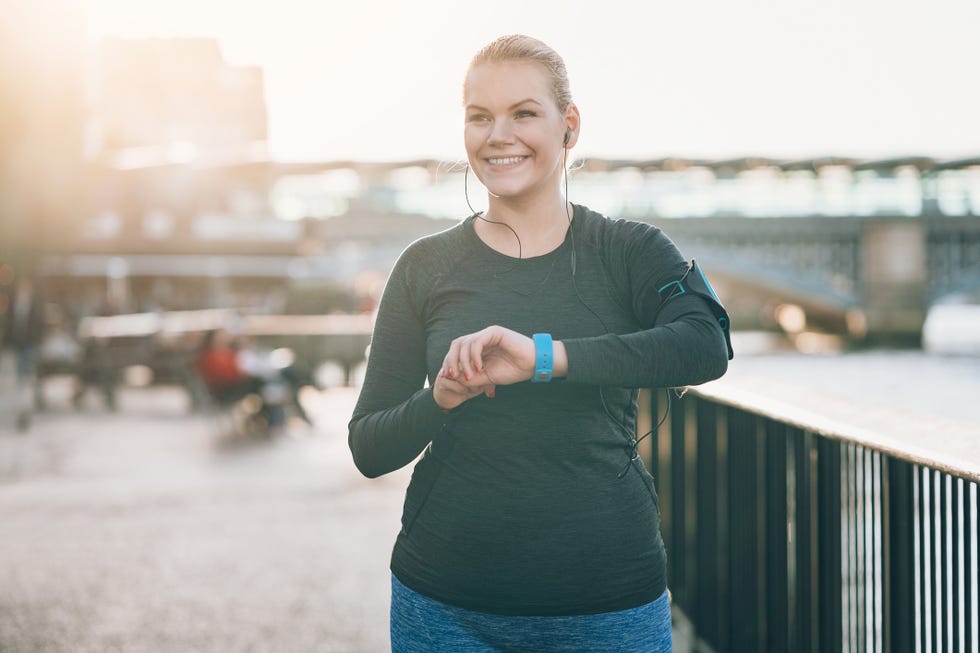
x: 422, y: 625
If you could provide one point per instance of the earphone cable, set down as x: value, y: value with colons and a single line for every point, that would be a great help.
x: 479, y: 216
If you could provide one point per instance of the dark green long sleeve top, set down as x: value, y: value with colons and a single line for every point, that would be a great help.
x: 520, y: 504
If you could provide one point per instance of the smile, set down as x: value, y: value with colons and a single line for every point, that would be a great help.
x: 510, y: 160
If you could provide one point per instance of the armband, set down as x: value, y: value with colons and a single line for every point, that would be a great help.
x: 543, y: 357
x: 696, y: 283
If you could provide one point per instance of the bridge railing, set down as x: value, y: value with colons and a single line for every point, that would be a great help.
x: 788, y: 533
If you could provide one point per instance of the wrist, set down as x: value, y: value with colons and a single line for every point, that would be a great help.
x: 543, y: 358
x: 560, y: 369
x: 551, y: 360
x: 444, y: 401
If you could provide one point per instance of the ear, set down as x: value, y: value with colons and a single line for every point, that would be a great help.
x: 573, y: 122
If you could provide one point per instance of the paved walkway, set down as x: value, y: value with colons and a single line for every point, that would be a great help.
x: 146, y: 530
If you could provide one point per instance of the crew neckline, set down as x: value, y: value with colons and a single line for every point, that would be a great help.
x: 481, y: 245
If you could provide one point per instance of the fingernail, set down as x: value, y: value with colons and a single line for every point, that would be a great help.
x: 452, y: 373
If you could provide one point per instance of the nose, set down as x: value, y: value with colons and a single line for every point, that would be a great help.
x: 501, y: 133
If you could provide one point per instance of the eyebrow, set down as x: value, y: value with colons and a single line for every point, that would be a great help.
x: 513, y: 106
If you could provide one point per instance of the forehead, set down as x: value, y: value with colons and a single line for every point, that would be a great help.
x: 506, y: 82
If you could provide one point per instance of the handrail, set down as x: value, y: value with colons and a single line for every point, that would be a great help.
x: 957, y: 454
x: 791, y: 530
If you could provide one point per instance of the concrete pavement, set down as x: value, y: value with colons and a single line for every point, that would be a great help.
x: 146, y: 530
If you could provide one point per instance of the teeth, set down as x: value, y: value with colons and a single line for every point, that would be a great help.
x: 509, y: 160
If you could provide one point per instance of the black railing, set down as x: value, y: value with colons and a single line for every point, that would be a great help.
x: 785, y: 535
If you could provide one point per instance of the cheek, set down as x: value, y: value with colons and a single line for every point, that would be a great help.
x: 537, y: 137
x: 472, y: 140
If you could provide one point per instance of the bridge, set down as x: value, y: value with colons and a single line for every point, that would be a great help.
x: 867, y: 270
x: 905, y: 236
x: 867, y: 277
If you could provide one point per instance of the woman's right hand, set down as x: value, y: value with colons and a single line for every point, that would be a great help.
x: 478, y: 362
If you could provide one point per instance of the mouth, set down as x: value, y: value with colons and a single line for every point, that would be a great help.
x: 506, y: 160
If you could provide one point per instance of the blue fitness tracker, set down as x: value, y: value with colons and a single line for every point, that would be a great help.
x: 543, y: 357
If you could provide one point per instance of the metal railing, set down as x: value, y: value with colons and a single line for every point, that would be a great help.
x: 786, y: 535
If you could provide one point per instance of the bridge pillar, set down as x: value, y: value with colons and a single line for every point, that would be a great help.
x: 894, y: 277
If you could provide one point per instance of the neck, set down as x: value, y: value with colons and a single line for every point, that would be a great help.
x: 541, y: 225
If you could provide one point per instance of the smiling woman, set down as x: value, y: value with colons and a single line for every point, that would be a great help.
x: 509, y: 349
x: 517, y: 136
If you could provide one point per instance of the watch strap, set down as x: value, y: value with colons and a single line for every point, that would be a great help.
x: 543, y: 357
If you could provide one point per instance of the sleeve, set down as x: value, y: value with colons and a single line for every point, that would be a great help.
x: 680, y: 341
x: 395, y: 416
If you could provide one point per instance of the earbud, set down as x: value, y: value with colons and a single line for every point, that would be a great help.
x: 568, y: 135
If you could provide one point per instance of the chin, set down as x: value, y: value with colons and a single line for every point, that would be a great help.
x: 510, y: 188
x: 505, y: 191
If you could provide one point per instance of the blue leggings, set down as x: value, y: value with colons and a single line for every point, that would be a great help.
x: 422, y: 625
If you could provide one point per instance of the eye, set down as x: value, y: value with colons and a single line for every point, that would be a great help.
x: 525, y: 113
x: 477, y: 117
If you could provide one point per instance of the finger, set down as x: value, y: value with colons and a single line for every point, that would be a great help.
x: 451, y: 361
x: 476, y: 355
x: 445, y: 386
x: 490, y: 391
x: 479, y: 344
x: 455, y: 387
x: 466, y: 358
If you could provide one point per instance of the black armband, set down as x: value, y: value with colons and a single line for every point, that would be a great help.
x: 695, y: 282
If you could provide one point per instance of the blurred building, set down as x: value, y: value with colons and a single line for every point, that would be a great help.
x: 169, y: 135
x: 41, y: 124
x: 180, y: 208
x: 171, y: 101
x: 42, y: 173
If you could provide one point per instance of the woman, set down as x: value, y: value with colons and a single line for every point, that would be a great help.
x: 529, y: 523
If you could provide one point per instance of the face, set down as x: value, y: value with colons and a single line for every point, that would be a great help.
x: 514, y: 130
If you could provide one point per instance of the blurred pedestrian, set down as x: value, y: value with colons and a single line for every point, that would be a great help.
x: 220, y: 367
x: 230, y: 372
x: 530, y: 523
x: 25, y: 334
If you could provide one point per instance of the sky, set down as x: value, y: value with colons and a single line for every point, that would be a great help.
x: 381, y: 79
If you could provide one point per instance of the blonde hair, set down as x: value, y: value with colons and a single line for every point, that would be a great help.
x: 517, y: 47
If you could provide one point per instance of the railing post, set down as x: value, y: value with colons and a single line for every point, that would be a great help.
x: 676, y: 549
x: 971, y: 563
x: 776, y: 625
x: 706, y: 607
x: 829, y: 544
x: 806, y: 497
x: 746, y: 527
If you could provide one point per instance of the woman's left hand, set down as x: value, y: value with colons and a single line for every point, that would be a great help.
x: 490, y: 357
